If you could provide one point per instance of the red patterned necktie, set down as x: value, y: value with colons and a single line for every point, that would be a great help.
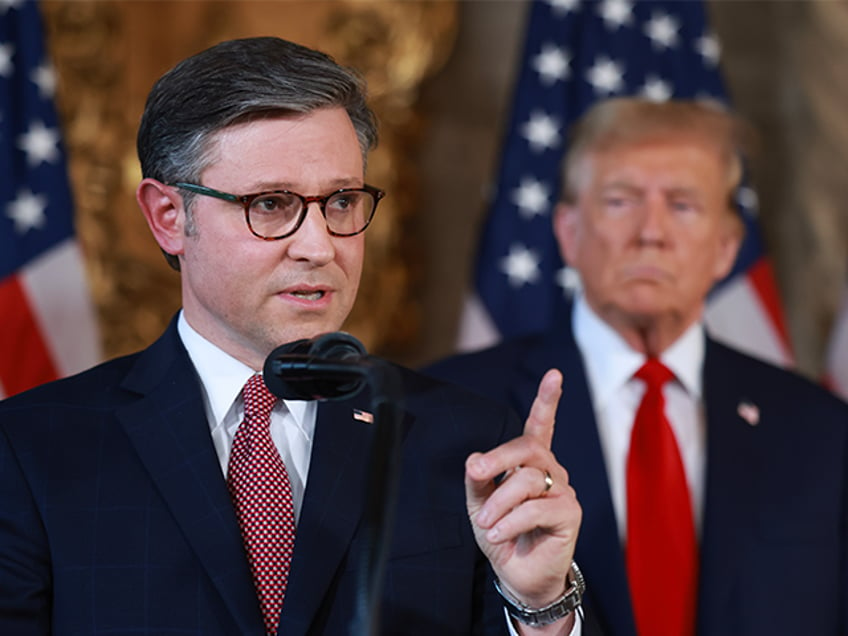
x: 261, y: 492
x: 662, y: 552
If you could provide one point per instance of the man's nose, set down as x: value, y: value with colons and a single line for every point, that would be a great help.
x: 653, y: 222
x: 312, y: 241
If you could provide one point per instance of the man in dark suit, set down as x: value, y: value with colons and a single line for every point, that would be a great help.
x: 153, y: 495
x: 755, y: 456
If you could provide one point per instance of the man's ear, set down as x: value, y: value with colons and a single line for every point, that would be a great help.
x: 163, y: 208
x: 565, y: 230
x: 732, y: 235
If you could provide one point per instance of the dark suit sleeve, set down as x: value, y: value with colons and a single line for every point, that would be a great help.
x: 843, y: 591
x: 25, y: 594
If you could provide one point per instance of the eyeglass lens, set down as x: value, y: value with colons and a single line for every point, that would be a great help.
x: 278, y: 213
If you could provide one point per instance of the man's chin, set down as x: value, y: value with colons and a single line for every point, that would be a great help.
x: 303, y: 331
x: 646, y: 309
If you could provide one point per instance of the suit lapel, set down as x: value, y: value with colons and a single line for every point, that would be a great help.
x: 332, y: 509
x: 577, y: 446
x: 731, y: 485
x: 169, y: 431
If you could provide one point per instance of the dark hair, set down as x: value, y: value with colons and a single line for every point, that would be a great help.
x: 233, y: 82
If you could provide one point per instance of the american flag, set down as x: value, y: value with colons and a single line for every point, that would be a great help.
x: 577, y: 52
x: 47, y: 324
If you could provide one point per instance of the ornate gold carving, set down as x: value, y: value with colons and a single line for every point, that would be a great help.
x: 815, y: 228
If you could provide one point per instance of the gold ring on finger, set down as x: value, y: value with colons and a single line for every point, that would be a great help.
x: 549, y: 482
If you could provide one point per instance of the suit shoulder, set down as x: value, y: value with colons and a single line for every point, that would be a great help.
x: 436, y: 390
x: 475, y: 369
x: 88, y: 387
x: 781, y: 384
x: 443, y: 400
x: 503, y: 351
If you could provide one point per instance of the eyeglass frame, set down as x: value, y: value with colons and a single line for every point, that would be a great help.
x: 246, y: 199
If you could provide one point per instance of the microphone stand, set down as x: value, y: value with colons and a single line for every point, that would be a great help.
x: 383, y: 464
x: 381, y: 498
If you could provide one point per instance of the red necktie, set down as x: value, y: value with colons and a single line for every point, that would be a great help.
x: 662, y: 552
x: 261, y: 492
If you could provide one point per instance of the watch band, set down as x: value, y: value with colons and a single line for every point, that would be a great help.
x: 552, y: 612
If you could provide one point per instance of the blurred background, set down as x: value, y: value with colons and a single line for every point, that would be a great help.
x: 442, y: 76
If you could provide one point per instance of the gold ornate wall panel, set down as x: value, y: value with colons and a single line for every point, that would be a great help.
x: 815, y: 224
x: 108, y: 54
x: 785, y: 65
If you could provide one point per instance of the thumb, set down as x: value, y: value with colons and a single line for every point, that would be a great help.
x: 478, y: 482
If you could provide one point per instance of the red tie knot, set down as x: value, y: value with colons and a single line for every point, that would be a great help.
x: 654, y: 373
x: 258, y: 400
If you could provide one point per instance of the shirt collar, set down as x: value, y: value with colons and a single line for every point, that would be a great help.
x: 685, y: 358
x: 612, y: 362
x: 222, y: 376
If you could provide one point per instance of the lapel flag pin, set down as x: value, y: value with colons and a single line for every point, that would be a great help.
x: 363, y: 416
x: 749, y: 412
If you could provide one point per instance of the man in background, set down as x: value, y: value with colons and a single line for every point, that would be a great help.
x: 713, y: 485
x: 170, y: 493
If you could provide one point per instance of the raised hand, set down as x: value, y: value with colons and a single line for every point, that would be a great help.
x: 526, y: 523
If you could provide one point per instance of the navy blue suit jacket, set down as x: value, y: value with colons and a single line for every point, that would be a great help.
x: 115, y: 516
x: 775, y: 528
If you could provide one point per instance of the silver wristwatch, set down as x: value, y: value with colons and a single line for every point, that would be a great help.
x: 552, y: 612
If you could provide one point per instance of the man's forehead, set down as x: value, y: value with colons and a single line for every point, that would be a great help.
x: 298, y: 133
x: 653, y: 158
x: 670, y: 141
x: 284, y: 119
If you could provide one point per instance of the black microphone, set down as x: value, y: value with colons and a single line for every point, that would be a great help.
x: 326, y: 367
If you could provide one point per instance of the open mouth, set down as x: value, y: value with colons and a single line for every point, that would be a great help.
x: 308, y: 295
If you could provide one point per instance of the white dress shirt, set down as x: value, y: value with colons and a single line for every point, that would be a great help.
x: 610, y: 364
x: 222, y: 379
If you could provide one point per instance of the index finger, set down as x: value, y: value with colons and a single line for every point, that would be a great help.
x: 540, y: 422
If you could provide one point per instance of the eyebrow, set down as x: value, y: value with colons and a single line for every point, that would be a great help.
x: 674, y: 191
x: 693, y: 193
x: 331, y: 186
x: 621, y: 185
